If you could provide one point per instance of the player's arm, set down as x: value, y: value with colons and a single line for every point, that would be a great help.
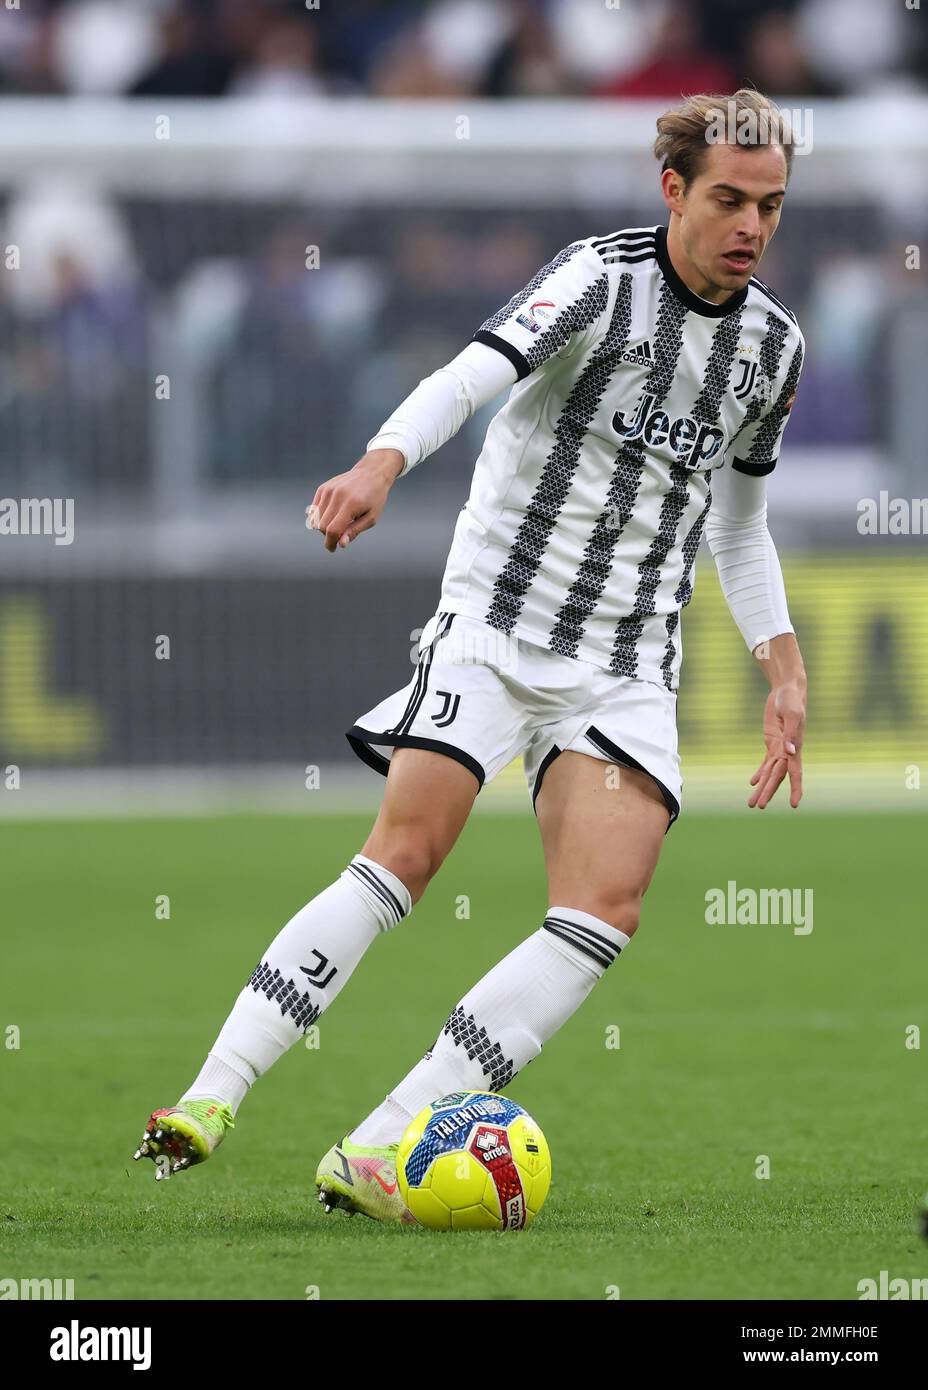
x: 751, y: 578
x: 350, y: 503
x: 559, y: 310
x: 752, y: 582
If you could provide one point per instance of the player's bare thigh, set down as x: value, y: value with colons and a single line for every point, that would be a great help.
x: 425, y: 807
x: 602, y: 828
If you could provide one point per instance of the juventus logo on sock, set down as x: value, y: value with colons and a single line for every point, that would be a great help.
x: 314, y: 974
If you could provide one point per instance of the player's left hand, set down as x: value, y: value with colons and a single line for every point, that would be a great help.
x: 350, y: 503
x: 784, y: 727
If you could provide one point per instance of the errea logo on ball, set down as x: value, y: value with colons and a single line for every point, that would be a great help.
x: 490, y: 1144
x: 691, y: 444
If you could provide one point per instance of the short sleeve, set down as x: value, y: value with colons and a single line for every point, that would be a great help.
x: 558, y: 305
x: 756, y: 447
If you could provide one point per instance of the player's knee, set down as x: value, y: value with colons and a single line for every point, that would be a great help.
x: 411, y: 856
x: 621, y: 910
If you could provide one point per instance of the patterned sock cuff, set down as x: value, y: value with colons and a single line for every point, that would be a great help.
x: 392, y: 894
x: 591, y: 936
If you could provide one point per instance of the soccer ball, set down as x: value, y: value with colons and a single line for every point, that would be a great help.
x: 473, y: 1161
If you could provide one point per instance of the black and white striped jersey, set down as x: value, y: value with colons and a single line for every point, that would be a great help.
x: 591, y: 491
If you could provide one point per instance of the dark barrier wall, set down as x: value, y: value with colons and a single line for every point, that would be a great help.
x: 275, y: 669
x: 258, y: 669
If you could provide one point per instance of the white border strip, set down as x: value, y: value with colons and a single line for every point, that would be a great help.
x: 345, y: 789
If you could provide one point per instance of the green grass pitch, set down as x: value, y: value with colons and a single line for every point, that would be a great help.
x: 735, y: 1041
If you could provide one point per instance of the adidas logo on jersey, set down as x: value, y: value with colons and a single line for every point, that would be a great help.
x: 639, y: 356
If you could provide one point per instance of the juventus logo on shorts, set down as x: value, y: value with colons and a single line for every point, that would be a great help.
x: 449, y: 709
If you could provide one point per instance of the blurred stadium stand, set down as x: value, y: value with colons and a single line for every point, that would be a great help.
x: 143, y: 250
x: 454, y: 48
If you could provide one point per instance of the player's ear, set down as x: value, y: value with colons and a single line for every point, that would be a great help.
x: 673, y: 189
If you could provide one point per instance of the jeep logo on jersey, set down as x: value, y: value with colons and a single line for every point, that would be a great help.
x: 692, y: 444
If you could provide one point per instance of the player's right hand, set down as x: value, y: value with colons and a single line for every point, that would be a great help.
x: 351, y: 502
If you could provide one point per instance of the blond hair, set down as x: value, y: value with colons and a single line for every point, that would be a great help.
x: 685, y: 133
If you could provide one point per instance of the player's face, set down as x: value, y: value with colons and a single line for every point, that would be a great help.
x: 728, y: 214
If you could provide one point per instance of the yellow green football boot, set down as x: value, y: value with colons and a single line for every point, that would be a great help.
x: 177, y: 1139
x: 357, y: 1177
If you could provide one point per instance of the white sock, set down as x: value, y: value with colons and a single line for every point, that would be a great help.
x: 216, y: 1081
x: 501, y: 1024
x: 302, y: 971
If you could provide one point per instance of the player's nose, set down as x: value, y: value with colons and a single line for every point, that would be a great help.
x: 749, y: 225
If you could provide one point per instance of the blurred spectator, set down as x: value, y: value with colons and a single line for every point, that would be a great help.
x: 600, y: 43
x: 461, y: 36
x: 95, y: 330
x: 27, y: 58
x: 274, y: 384
x: 404, y: 68
x: 56, y: 216
x: 680, y: 62
x: 854, y: 41
x: 355, y: 31
x: 528, y: 62
x: 102, y: 46
x: 727, y: 22
x: 76, y: 367
x: 286, y: 63
x: 775, y: 61
x: 189, y: 61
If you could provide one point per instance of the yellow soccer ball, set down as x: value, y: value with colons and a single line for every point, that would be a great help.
x: 474, y: 1161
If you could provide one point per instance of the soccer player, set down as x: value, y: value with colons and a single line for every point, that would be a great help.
x: 651, y: 377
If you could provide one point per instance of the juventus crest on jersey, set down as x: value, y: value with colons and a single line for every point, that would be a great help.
x: 590, y: 494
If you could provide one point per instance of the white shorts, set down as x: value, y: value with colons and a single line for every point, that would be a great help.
x: 484, y: 697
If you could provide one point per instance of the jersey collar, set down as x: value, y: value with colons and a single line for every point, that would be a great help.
x: 685, y: 294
